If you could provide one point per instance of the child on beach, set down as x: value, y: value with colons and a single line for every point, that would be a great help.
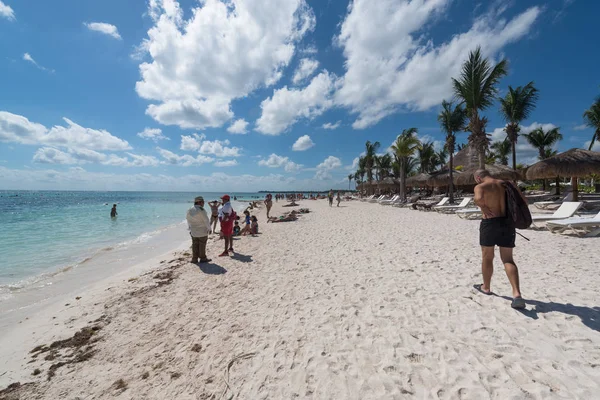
x: 254, y: 225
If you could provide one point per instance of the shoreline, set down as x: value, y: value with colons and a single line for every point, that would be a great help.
x: 319, y: 308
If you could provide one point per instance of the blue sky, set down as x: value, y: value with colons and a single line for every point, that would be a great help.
x: 273, y: 94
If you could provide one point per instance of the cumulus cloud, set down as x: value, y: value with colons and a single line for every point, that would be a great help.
x: 6, y: 12
x: 18, y: 129
x: 74, y: 156
x: 27, y: 57
x: 275, y: 161
x: 331, y: 126
x: 306, y: 68
x: 153, y: 134
x: 391, y: 66
x: 286, y: 106
x: 526, y: 153
x: 224, y: 51
x: 185, y: 160
x: 238, y: 127
x: 324, y: 169
x: 223, y: 163
x: 104, y: 28
x: 303, y: 143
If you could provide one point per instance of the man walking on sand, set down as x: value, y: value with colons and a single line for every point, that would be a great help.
x: 199, y: 225
x: 496, y: 229
x: 227, y: 218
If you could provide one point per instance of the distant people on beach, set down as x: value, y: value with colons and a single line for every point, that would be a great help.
x: 199, y: 227
x: 227, y: 218
x: 338, y: 199
x: 496, y: 229
x: 214, y: 216
x: 113, y: 211
x: 269, y: 203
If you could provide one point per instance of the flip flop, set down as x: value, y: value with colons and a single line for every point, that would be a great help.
x: 518, y: 303
x: 479, y: 289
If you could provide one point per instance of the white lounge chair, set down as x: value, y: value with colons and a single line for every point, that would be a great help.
x: 553, y: 205
x: 469, y: 213
x: 452, y: 209
x: 566, y: 210
x: 581, y: 226
x: 390, y: 201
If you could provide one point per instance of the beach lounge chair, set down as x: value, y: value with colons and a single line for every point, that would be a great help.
x: 581, y: 226
x: 566, y: 210
x: 455, y: 208
x: 469, y: 213
x: 553, y: 205
x: 390, y: 201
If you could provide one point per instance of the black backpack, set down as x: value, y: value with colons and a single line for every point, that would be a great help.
x: 517, y: 209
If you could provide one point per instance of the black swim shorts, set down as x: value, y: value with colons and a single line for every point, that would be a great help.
x: 497, y: 232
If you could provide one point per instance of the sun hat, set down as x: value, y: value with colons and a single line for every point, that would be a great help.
x: 225, y: 197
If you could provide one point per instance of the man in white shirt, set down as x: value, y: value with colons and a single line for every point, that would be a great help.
x: 199, y: 225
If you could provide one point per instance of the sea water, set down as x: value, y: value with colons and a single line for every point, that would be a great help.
x: 47, y: 236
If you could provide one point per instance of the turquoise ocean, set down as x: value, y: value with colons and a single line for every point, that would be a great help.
x: 43, y: 233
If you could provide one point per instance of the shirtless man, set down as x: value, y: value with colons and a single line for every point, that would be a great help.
x: 496, y: 230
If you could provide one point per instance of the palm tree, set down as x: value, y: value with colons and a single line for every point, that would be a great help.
x: 543, y: 142
x: 404, y: 148
x: 452, y: 120
x: 426, y: 155
x: 501, y: 150
x: 477, y: 88
x: 350, y: 181
x: 592, y: 119
x: 515, y: 107
x: 370, y: 156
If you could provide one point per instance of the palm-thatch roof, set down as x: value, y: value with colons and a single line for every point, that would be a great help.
x: 387, y: 182
x: 441, y: 178
x: 419, y: 179
x: 497, y: 171
x: 571, y: 163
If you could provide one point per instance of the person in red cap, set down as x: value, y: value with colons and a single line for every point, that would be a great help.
x: 227, y: 219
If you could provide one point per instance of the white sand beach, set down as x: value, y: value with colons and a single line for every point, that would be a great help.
x: 356, y: 302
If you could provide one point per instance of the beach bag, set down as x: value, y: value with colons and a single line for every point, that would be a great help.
x: 517, y: 209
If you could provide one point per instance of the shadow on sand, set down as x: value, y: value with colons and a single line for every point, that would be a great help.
x: 241, y: 257
x: 590, y: 316
x: 212, y: 269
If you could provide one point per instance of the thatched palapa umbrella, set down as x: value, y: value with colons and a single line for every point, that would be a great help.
x: 497, y: 171
x: 417, y: 180
x: 572, y: 163
x: 441, y: 178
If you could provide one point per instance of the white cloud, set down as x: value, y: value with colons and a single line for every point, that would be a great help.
x: 18, y: 129
x: 526, y: 153
x: 27, y: 57
x: 331, y: 126
x: 286, y: 106
x: 275, y: 161
x: 390, y: 65
x: 303, y: 143
x: 581, y: 127
x: 153, y: 134
x: 104, y: 28
x: 6, y: 12
x: 185, y: 160
x: 224, y: 51
x: 219, y: 148
x: 223, y: 163
x: 306, y: 68
x: 238, y: 127
x: 73, y: 156
x: 324, y: 169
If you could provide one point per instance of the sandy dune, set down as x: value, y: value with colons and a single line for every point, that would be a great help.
x: 356, y: 302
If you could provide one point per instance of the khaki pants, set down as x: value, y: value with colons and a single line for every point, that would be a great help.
x: 199, y: 248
